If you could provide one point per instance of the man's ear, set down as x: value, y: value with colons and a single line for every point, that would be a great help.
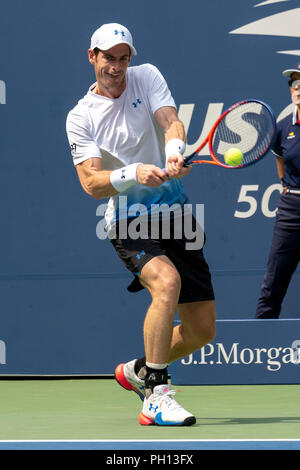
x: 92, y: 56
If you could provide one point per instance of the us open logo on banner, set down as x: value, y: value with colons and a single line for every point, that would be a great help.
x: 284, y: 24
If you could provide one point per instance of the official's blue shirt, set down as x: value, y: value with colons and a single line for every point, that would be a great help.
x: 287, y: 146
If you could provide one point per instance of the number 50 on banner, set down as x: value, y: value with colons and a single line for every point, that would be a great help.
x: 251, y: 201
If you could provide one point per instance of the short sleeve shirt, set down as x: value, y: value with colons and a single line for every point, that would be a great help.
x: 123, y: 130
x: 287, y: 147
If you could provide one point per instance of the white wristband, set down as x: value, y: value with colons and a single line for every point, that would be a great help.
x: 124, y: 178
x: 174, y: 146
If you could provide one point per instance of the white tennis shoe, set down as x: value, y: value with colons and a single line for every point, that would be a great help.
x: 128, y: 379
x: 162, y: 409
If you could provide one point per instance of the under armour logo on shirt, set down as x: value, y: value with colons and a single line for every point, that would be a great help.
x: 135, y: 103
x: 119, y: 32
x: 139, y: 255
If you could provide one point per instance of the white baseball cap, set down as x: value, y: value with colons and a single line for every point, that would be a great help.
x: 289, y: 72
x: 111, y: 34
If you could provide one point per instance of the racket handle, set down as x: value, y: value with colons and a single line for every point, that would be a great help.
x: 188, y: 159
x: 185, y: 165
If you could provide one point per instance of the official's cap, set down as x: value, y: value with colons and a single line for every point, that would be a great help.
x: 288, y: 72
x: 111, y: 34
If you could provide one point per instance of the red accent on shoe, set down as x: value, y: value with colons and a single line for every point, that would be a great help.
x: 145, y: 420
x: 120, y: 376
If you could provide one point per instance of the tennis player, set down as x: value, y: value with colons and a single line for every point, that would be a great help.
x: 123, y: 133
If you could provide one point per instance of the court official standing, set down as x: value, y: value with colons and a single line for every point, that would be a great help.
x: 284, y: 255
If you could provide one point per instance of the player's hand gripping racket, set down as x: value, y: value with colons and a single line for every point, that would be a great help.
x: 241, y: 136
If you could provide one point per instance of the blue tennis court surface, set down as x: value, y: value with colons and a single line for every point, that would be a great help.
x: 237, y: 444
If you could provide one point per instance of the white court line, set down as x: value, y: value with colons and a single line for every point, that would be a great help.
x: 149, y: 440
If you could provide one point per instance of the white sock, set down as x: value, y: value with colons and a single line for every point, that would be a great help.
x: 156, y: 366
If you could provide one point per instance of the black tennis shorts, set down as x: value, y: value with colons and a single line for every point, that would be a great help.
x: 179, y: 247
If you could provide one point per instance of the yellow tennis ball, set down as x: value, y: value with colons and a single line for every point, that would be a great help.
x: 233, y: 157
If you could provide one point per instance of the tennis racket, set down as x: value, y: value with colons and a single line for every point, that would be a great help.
x: 248, y: 126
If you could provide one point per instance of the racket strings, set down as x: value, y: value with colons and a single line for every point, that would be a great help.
x: 248, y: 127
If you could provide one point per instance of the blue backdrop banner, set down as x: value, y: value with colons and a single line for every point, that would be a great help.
x: 63, y: 290
x: 245, y: 352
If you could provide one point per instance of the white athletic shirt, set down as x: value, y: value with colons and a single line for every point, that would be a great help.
x: 123, y: 130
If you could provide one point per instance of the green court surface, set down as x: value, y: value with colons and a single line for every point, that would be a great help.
x: 100, y: 409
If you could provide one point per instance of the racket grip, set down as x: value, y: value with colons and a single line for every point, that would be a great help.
x: 186, y: 164
x: 188, y: 159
